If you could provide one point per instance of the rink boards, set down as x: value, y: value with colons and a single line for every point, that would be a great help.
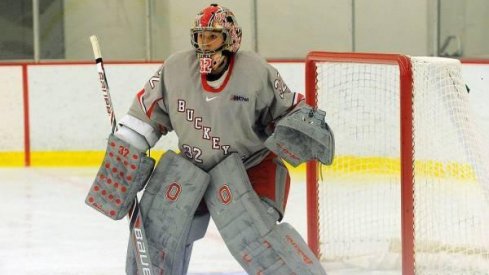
x: 54, y: 113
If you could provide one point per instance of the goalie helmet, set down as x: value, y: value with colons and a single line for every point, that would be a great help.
x: 217, y: 19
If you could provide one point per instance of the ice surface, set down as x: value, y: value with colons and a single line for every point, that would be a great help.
x: 46, y: 227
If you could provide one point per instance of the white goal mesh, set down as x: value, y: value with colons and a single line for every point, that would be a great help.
x: 359, y: 223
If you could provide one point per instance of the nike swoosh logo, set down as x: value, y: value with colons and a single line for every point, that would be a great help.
x: 210, y: 98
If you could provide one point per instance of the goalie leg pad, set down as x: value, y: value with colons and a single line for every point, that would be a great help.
x: 123, y: 173
x: 168, y: 206
x: 197, y: 231
x: 248, y: 225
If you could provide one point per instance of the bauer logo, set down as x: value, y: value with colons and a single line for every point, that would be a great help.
x: 144, y: 260
x: 239, y: 98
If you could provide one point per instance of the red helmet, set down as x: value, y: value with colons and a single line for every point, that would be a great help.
x: 219, y: 19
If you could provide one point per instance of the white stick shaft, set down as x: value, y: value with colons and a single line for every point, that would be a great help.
x: 96, y: 47
x: 103, y: 81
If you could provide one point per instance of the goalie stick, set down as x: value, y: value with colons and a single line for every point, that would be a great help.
x: 136, y: 227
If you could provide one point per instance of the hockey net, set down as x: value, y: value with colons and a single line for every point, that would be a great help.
x: 409, y: 186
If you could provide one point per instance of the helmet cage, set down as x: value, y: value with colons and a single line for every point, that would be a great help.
x: 194, y: 33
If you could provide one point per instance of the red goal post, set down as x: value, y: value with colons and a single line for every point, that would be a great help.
x: 406, y: 79
x: 408, y: 107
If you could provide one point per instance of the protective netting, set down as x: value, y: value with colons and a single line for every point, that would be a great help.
x: 360, y: 197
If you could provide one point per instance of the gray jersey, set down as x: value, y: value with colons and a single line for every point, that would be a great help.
x: 210, y: 123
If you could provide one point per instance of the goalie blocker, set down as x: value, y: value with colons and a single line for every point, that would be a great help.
x: 249, y: 226
x: 303, y: 135
x: 123, y: 173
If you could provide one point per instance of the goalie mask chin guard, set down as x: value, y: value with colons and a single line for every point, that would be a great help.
x: 216, y: 19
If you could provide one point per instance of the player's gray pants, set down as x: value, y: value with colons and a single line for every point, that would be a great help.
x: 168, y: 207
x: 249, y: 226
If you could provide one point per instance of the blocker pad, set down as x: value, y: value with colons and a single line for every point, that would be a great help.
x: 123, y: 173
